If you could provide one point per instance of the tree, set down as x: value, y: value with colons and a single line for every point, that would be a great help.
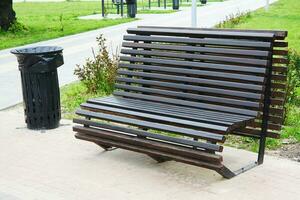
x: 7, y: 14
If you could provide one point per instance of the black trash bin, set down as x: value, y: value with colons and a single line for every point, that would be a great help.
x: 38, y: 67
x: 203, y: 1
x: 131, y: 8
x: 175, y: 4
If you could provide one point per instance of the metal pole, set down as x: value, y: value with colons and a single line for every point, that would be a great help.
x: 158, y: 2
x: 122, y: 8
x: 149, y: 4
x: 102, y: 8
x: 267, y: 5
x: 194, y: 13
x: 165, y: 4
x: 266, y: 108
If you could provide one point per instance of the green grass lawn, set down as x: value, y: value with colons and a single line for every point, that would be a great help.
x: 47, y: 20
x: 285, y: 15
x: 51, y: 20
x: 72, y: 95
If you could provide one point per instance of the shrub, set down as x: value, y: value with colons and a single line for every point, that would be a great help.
x: 293, y: 76
x: 98, y: 74
x: 234, y: 19
x: 17, y: 27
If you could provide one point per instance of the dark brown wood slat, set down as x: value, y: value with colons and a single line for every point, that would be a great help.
x: 153, y: 125
x: 161, y: 110
x: 228, y: 59
x: 172, y: 110
x: 278, y: 94
x: 200, y: 49
x: 279, y: 34
x: 132, y: 140
x: 201, y: 33
x: 149, y: 151
x: 199, y: 65
x: 181, y: 77
x: 208, y: 101
x: 200, y: 89
x: 279, y: 77
x: 279, y: 69
x: 188, y: 103
x: 276, y: 111
x: 156, y: 118
x: 277, y: 102
x: 280, y: 52
x: 278, y: 86
x: 250, y: 132
x: 199, y: 41
x: 209, y: 98
x: 151, y: 136
x: 280, y: 44
x: 280, y: 60
x: 230, y: 76
x: 271, y: 126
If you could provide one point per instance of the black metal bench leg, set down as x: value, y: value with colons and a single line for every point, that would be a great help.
x: 226, y: 173
x: 105, y: 147
x: 159, y: 159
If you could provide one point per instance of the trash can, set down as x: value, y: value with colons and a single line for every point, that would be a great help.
x: 131, y: 8
x: 203, y: 1
x: 41, y: 97
x: 175, y: 4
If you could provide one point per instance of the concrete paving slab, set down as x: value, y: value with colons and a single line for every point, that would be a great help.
x: 52, y: 165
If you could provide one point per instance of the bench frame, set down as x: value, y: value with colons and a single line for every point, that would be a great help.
x: 277, y: 61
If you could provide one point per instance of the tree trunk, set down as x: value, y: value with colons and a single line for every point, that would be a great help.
x: 7, y: 14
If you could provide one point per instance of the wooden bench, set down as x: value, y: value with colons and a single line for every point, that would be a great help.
x: 180, y: 91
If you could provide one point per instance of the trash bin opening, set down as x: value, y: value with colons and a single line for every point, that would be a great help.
x: 38, y: 50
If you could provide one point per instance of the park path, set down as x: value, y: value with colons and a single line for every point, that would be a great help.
x: 78, y: 47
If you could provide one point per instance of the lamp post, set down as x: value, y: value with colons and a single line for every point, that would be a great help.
x: 267, y: 5
x: 194, y: 13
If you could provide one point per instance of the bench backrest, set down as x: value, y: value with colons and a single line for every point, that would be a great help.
x: 220, y: 70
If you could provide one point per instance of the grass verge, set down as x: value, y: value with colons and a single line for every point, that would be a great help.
x: 38, y: 21
x: 72, y: 95
x: 284, y: 15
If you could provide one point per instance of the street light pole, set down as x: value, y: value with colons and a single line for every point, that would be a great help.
x: 267, y: 5
x: 194, y: 13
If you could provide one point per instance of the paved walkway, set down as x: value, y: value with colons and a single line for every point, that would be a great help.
x: 53, y: 165
x: 78, y: 47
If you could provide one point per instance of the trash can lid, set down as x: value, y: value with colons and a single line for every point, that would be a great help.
x: 37, y: 50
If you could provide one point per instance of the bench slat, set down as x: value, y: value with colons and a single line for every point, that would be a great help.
x: 279, y: 34
x: 153, y: 125
x: 229, y: 101
x: 199, y: 49
x: 249, y: 61
x: 182, y: 76
x: 132, y: 140
x: 204, y: 73
x: 188, y: 103
x: 171, y: 110
x: 148, y: 135
x: 162, y: 110
x: 198, y: 65
x: 200, y: 41
x: 187, y: 87
x: 156, y: 118
x: 189, y: 97
x: 201, y: 33
x: 149, y: 151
